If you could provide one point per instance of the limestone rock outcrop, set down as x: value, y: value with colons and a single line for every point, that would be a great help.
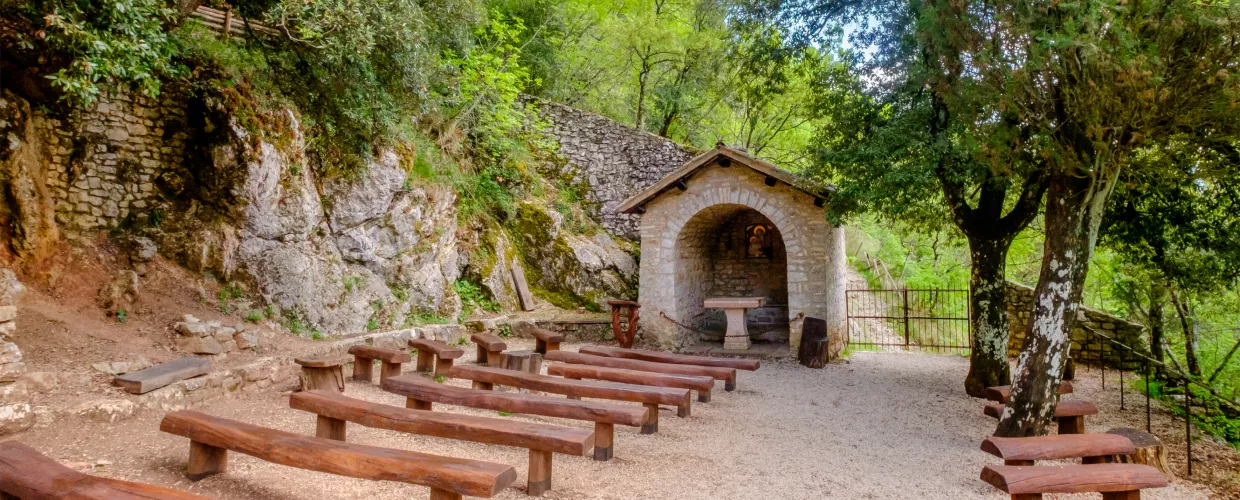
x: 570, y: 269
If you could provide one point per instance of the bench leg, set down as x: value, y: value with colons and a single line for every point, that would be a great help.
x: 1093, y: 460
x: 603, y: 435
x: 495, y: 359
x: 363, y: 368
x: 482, y: 355
x: 1122, y: 495
x: 704, y: 396
x: 684, y: 411
x: 540, y: 473
x: 1018, y: 462
x: 1027, y: 496
x: 442, y: 366
x: 205, y: 460
x: 426, y: 361
x: 417, y: 404
x: 6, y: 496
x: 486, y: 386
x: 388, y: 370
x: 1071, y: 425
x: 730, y: 384
x: 438, y: 494
x: 652, y: 419
x: 540, y: 346
x: 329, y: 428
x: 552, y: 346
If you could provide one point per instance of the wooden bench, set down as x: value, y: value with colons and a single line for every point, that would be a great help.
x: 421, y: 393
x: 727, y: 375
x: 541, y: 439
x: 671, y: 358
x: 29, y: 475
x: 321, y: 373
x: 1114, y: 481
x: 651, y: 397
x: 1069, y: 414
x: 1090, y: 448
x: 701, y: 384
x: 211, y: 438
x: 436, y: 355
x: 1000, y: 393
x: 546, y: 340
x: 364, y: 357
x: 490, y: 349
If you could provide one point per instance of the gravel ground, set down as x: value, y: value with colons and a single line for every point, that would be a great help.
x: 883, y: 426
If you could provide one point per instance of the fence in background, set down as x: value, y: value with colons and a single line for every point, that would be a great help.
x: 926, y: 320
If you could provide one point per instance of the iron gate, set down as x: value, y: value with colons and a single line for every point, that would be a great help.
x: 927, y: 320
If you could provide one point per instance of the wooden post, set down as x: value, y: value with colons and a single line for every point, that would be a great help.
x: 363, y: 369
x: 1027, y: 496
x: 417, y: 404
x: 524, y: 361
x: 321, y: 373
x: 603, y: 435
x: 388, y: 370
x: 540, y: 473
x: 442, y: 366
x: 205, y: 460
x: 426, y: 360
x: 684, y: 411
x: 1122, y: 495
x: 704, y: 396
x: 652, y: 420
x: 438, y: 494
x: 329, y: 428
x: 730, y: 384
x: 482, y: 355
x: 486, y: 386
x: 1072, y: 425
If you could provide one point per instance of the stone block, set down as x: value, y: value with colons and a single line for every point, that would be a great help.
x: 8, y: 313
x: 9, y: 353
x: 15, y: 418
x: 246, y: 340
x: 200, y: 345
x: 193, y: 329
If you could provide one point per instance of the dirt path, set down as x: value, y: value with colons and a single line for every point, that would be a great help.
x: 885, y: 426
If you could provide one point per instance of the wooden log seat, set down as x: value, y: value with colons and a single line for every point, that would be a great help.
x: 490, y: 349
x: 434, y: 355
x: 1149, y: 450
x: 1114, y: 481
x: 727, y: 375
x: 701, y: 384
x: 364, y: 357
x: 1000, y: 393
x: 1090, y: 448
x: 211, y: 438
x: 651, y: 397
x: 815, y: 349
x: 29, y: 475
x: 321, y: 373
x: 541, y: 439
x: 421, y: 393
x: 546, y: 340
x: 1069, y: 414
x: 671, y: 358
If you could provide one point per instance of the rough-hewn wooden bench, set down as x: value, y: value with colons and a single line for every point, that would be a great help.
x: 29, y: 475
x: 433, y: 354
x: 671, y: 358
x: 546, y: 340
x: 420, y: 393
x: 490, y: 349
x: 727, y: 375
x: 1114, y: 481
x: 701, y: 384
x: 1090, y: 448
x: 211, y: 438
x: 1000, y: 393
x: 1069, y: 414
x: 364, y: 357
x: 321, y: 373
x: 541, y: 439
x: 651, y: 397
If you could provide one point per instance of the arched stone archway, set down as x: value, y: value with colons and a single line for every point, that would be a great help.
x: 712, y: 184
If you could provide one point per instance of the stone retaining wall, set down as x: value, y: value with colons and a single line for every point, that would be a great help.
x: 1086, y: 348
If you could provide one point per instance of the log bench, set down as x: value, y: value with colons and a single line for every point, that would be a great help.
x: 671, y: 358
x: 1000, y: 393
x: 211, y: 438
x: 321, y: 373
x: 541, y: 439
x: 576, y: 372
x: 490, y: 349
x: 1069, y: 414
x: 29, y: 475
x: 727, y: 375
x: 1090, y: 448
x: 364, y: 357
x: 546, y: 340
x: 1114, y: 481
x: 434, y: 355
x: 651, y: 397
x: 421, y: 393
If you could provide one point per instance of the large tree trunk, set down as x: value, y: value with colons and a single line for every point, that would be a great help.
x: 1075, y: 203
x: 1158, y: 297
x: 988, y: 364
x: 1191, y: 338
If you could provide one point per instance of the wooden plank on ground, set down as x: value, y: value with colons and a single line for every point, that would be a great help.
x: 144, y: 381
x: 672, y: 358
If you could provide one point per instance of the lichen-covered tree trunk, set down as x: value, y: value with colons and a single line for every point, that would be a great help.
x: 988, y: 365
x: 1075, y: 204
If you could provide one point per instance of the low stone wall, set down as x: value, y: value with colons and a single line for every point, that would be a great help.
x: 1086, y: 348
